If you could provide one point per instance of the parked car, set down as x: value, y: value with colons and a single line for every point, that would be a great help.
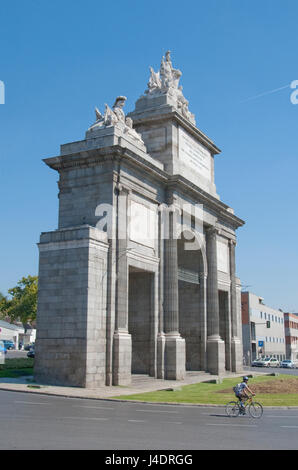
x: 31, y: 353
x: 2, y: 347
x: 288, y: 364
x: 266, y: 362
x: 9, y: 344
x: 273, y: 362
x: 256, y: 362
x: 260, y: 362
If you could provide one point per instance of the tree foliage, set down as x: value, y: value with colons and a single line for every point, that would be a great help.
x: 21, y: 305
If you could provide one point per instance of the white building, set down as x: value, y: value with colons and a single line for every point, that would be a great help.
x: 263, y: 331
x: 11, y: 332
x: 291, y: 334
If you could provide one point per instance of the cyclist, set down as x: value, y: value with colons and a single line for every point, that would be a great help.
x: 241, y: 393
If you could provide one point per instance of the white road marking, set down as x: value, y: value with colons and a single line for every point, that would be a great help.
x: 136, y: 421
x: 241, y: 425
x: 157, y: 411
x: 32, y: 403
x: 84, y: 417
x: 273, y: 416
x: 180, y: 406
x: 94, y: 407
x: 295, y: 427
x: 171, y: 422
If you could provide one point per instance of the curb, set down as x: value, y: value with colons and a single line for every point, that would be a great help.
x: 122, y: 400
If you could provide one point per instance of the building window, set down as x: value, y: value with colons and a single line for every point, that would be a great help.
x: 253, y: 331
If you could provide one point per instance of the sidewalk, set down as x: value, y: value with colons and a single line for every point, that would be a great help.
x: 140, y: 384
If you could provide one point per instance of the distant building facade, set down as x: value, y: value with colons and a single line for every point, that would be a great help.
x: 291, y: 335
x: 259, y: 337
x: 11, y: 332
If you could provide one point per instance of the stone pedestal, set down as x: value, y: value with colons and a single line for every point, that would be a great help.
x: 216, y: 355
x: 174, y: 357
x: 71, y: 320
x: 122, y: 358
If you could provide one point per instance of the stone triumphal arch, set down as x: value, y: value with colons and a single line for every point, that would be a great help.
x: 140, y: 275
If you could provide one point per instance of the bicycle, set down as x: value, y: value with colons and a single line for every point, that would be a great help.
x: 255, y: 409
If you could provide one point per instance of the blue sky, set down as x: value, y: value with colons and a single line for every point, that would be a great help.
x: 60, y: 59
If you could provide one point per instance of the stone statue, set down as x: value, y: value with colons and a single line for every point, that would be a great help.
x: 116, y: 117
x: 166, y: 81
x: 154, y: 82
x: 117, y: 108
x: 169, y: 76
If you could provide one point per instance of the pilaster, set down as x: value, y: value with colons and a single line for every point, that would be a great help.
x: 215, y: 345
x: 236, y: 347
x: 122, y: 347
x: 174, y: 344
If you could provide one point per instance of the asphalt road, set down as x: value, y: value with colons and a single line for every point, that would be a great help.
x: 15, y: 354
x: 31, y: 421
x: 269, y: 370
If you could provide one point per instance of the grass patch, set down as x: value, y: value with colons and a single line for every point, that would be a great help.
x: 18, y: 363
x: 14, y: 368
x: 284, y: 388
x: 15, y: 373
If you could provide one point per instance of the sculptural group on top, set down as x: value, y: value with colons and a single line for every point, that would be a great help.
x: 166, y: 81
x: 116, y: 117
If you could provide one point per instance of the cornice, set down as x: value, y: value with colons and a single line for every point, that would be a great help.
x: 176, y: 116
x: 117, y: 154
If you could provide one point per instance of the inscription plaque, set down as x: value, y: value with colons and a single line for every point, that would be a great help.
x: 194, y: 155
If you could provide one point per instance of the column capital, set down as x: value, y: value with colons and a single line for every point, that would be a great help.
x: 171, y: 198
x: 232, y: 242
x: 171, y: 209
x: 212, y: 232
x: 122, y: 190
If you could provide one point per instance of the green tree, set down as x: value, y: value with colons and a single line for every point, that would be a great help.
x: 21, y: 305
x: 2, y: 300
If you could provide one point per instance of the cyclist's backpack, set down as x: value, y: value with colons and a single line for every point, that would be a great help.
x: 236, y: 389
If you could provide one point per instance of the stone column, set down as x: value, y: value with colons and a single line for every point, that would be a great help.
x: 160, y: 344
x: 174, y: 344
x: 236, y: 349
x: 203, y: 320
x: 215, y: 345
x: 122, y: 339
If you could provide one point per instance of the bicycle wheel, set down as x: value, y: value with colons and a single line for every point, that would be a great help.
x: 255, y: 410
x: 232, y: 409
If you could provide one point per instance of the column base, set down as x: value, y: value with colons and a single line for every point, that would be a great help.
x: 122, y: 358
x: 174, y: 368
x: 236, y: 353
x: 216, y: 355
x: 160, y: 356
